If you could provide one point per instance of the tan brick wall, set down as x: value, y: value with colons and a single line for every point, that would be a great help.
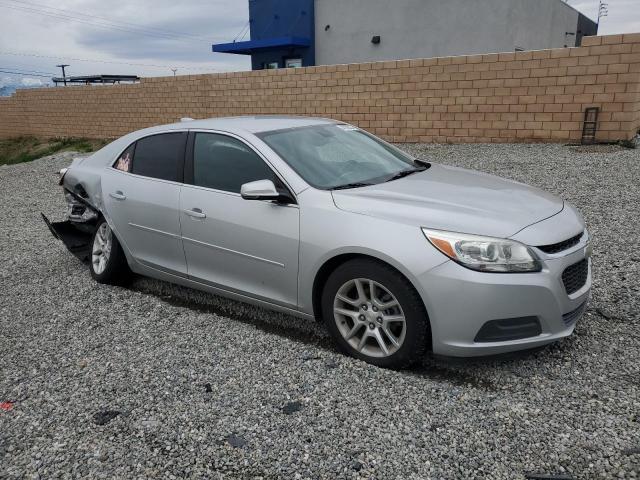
x: 506, y: 97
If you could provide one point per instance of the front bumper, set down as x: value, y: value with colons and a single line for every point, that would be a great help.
x: 460, y: 301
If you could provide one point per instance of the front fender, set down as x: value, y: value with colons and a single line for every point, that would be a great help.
x: 327, y: 232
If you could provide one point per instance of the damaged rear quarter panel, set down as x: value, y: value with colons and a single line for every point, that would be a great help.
x: 83, y: 178
x: 81, y: 183
x: 87, y: 173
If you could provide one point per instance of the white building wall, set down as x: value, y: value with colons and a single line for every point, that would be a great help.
x: 436, y: 28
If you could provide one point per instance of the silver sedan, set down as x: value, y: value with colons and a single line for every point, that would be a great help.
x: 320, y: 219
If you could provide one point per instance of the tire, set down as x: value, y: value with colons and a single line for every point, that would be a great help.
x: 112, y: 268
x: 379, y: 319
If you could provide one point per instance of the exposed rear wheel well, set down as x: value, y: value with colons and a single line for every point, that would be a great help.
x: 333, y: 263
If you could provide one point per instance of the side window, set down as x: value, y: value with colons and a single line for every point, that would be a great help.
x: 124, y: 161
x: 160, y: 156
x: 293, y: 63
x: 225, y: 163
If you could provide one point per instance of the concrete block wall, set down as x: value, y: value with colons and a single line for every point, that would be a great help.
x: 503, y: 97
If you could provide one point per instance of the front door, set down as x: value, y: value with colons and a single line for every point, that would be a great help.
x: 142, y: 196
x: 249, y: 247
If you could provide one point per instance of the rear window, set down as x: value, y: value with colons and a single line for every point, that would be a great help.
x: 160, y: 156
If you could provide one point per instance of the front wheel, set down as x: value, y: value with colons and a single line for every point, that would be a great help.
x: 375, y: 314
x: 108, y: 262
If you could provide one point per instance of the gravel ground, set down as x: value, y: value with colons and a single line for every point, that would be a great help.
x: 161, y: 381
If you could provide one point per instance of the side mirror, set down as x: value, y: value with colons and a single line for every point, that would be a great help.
x: 265, y: 190
x: 259, y: 190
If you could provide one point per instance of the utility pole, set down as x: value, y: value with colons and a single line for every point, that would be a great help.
x: 603, y: 11
x: 64, y: 77
x: 174, y: 70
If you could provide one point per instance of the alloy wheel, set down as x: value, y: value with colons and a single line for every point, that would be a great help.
x: 101, y: 251
x: 369, y: 317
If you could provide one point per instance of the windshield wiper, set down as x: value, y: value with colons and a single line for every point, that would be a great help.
x: 351, y: 185
x: 405, y: 173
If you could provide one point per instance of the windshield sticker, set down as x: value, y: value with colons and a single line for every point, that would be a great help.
x: 348, y: 128
x: 124, y: 162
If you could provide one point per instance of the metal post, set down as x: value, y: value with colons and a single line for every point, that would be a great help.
x: 64, y: 77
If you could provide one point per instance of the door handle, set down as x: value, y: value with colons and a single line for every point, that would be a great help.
x: 195, y: 213
x: 118, y: 195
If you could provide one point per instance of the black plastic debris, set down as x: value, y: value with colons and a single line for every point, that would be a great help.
x: 104, y: 417
x: 207, y: 388
x: 292, y: 407
x: 236, y: 441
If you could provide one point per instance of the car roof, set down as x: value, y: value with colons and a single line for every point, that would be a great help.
x: 252, y: 124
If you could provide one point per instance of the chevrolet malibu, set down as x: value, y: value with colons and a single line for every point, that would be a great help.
x: 320, y: 219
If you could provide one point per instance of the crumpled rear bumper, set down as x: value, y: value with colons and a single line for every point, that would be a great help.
x: 77, y: 230
x: 76, y: 240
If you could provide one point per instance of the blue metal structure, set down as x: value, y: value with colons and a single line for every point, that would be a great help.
x: 282, y: 31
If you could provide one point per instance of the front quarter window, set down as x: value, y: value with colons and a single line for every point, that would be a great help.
x: 330, y: 156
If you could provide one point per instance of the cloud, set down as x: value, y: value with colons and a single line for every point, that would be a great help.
x: 156, y: 32
x: 4, y: 81
x: 9, y: 84
x: 205, y: 23
x: 20, y: 81
x: 31, y: 82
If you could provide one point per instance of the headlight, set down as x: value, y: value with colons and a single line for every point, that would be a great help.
x: 485, y: 254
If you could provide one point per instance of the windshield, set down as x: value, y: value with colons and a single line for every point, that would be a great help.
x: 333, y: 156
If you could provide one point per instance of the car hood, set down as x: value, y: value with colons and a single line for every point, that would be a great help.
x: 454, y: 199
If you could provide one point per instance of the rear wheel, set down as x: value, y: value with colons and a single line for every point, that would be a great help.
x: 375, y: 314
x: 108, y: 263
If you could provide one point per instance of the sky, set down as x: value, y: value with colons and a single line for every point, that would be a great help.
x: 151, y: 37
x: 623, y: 16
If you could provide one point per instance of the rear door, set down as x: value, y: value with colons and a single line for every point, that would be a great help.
x: 245, y: 246
x: 142, y: 195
